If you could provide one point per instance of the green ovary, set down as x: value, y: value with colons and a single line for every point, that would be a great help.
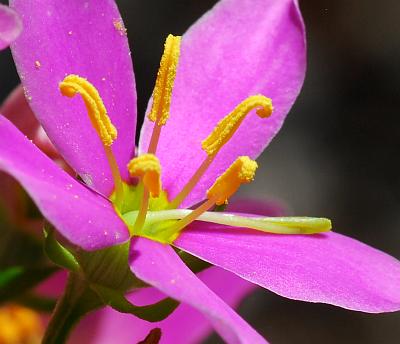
x: 129, y: 209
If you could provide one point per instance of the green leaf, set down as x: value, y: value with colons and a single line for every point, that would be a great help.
x: 152, y: 313
x: 17, y: 280
x: 7, y: 275
x: 58, y: 254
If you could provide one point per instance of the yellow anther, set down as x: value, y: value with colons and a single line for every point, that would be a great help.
x: 97, y: 112
x: 165, y: 81
x: 230, y: 123
x: 240, y: 172
x: 147, y: 167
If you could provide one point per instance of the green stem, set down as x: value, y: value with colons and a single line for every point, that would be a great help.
x: 76, y: 301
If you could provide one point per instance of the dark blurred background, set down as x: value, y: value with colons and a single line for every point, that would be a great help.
x: 336, y: 156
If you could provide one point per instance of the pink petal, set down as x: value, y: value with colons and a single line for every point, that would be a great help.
x: 239, y: 48
x: 17, y: 110
x: 162, y: 268
x: 328, y: 268
x: 79, y: 214
x: 10, y: 26
x: 84, y: 38
x: 185, y: 326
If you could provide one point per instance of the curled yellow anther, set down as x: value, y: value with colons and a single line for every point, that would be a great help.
x: 240, y: 172
x: 97, y: 112
x: 165, y: 81
x: 147, y: 167
x: 230, y: 123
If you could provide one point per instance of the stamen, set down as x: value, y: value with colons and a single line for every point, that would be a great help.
x: 162, y: 93
x: 221, y: 135
x: 147, y: 167
x: 74, y: 84
x: 240, y: 172
x: 230, y: 123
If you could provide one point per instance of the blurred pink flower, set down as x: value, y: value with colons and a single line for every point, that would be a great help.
x: 10, y: 26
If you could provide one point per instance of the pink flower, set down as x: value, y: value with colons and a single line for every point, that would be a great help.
x: 107, y: 325
x: 239, y: 49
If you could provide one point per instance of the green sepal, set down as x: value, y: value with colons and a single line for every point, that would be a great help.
x: 152, y: 313
x: 7, y: 275
x: 57, y: 253
x: 16, y: 280
x: 109, y: 268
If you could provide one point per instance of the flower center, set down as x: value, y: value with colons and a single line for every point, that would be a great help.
x: 145, y: 207
x: 19, y: 325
